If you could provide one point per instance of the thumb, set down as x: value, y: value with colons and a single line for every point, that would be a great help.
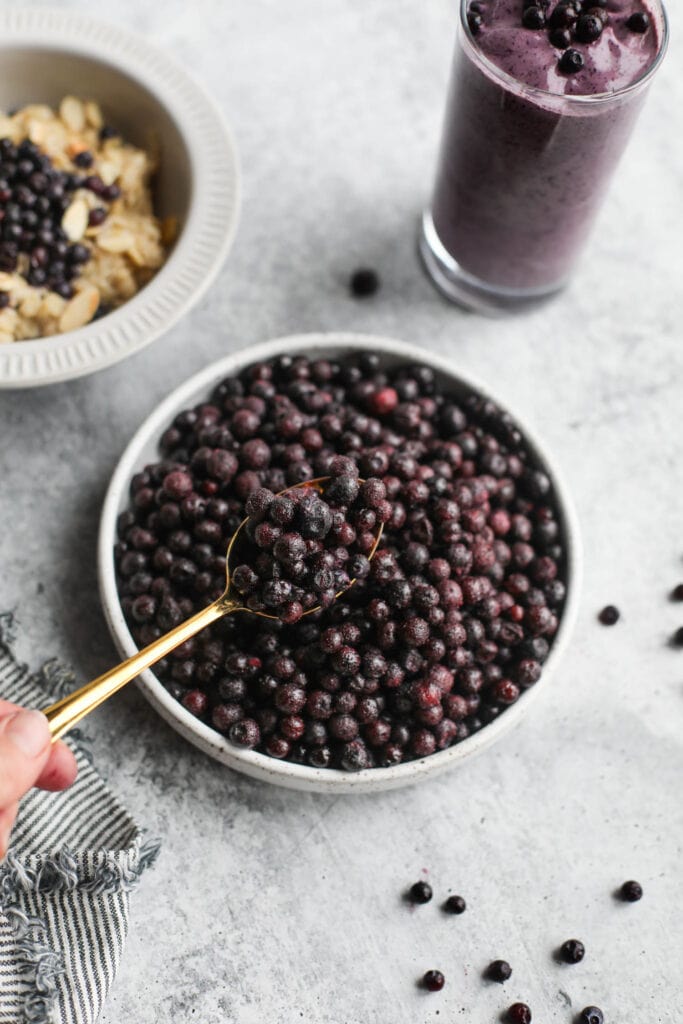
x: 24, y: 749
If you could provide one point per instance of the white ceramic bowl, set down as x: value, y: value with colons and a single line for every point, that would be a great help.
x: 143, y: 449
x: 46, y: 54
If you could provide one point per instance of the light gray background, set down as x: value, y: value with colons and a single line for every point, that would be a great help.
x: 268, y: 906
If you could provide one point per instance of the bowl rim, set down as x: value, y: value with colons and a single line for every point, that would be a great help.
x: 261, y: 766
x: 213, y: 210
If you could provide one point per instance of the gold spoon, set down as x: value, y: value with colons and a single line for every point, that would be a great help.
x: 63, y: 715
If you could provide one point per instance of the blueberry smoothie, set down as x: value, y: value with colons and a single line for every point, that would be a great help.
x: 543, y: 99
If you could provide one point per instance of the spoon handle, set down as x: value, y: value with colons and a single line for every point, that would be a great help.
x: 65, y: 713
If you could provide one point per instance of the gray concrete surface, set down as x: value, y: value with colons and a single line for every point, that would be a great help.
x: 268, y: 906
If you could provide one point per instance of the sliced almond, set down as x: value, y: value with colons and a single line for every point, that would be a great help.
x: 94, y: 114
x: 72, y: 113
x: 53, y: 305
x: 41, y: 111
x: 80, y: 310
x: 146, y: 254
x: 108, y: 171
x: 31, y: 304
x: 75, y: 220
x: 116, y: 240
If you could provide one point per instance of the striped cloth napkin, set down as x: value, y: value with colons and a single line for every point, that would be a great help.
x: 65, y: 885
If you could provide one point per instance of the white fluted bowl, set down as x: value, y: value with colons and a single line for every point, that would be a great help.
x: 143, y: 449
x: 46, y: 54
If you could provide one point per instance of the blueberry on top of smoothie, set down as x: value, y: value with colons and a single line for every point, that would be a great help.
x: 560, y: 38
x: 571, y: 61
x: 588, y: 28
x: 563, y: 16
x: 638, y: 22
x: 474, y: 20
x: 533, y: 17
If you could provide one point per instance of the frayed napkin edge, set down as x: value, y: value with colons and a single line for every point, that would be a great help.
x: 113, y: 872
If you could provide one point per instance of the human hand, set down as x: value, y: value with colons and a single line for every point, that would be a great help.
x: 28, y: 758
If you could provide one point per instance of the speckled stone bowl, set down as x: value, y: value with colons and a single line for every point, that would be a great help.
x: 46, y: 54
x: 143, y: 449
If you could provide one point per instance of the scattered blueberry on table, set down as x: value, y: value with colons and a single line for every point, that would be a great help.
x: 455, y: 905
x: 453, y: 620
x: 420, y: 892
x: 518, y: 1013
x: 631, y: 891
x: 609, y: 615
x: 591, y: 1015
x: 498, y: 970
x: 364, y: 282
x: 433, y: 981
x: 572, y: 951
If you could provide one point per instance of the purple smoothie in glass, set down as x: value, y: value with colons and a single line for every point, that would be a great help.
x: 541, y: 106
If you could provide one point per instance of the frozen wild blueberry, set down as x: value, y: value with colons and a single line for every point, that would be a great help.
x: 498, y: 970
x: 677, y: 638
x: 609, y: 615
x: 591, y: 1015
x: 561, y: 38
x: 364, y: 282
x: 677, y: 593
x: 304, y: 568
x: 474, y: 21
x: 433, y: 981
x: 563, y: 15
x: 638, y: 22
x: 588, y: 28
x: 533, y: 17
x: 455, y: 905
x: 451, y: 618
x: 420, y: 892
x: 571, y: 62
x: 631, y: 892
x: 518, y: 1013
x: 572, y: 951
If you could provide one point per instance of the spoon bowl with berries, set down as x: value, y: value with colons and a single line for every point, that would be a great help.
x: 294, y: 554
x: 434, y: 654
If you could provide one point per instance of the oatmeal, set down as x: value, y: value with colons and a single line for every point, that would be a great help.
x: 78, y: 235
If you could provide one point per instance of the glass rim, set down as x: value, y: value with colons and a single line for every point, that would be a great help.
x: 547, y: 94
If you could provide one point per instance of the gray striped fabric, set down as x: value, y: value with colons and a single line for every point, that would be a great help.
x: 64, y: 888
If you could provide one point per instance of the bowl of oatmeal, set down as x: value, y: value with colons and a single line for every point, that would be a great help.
x: 119, y: 195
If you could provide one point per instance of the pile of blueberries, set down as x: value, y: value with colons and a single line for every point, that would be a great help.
x: 306, y: 547
x: 461, y: 602
x: 33, y: 198
x: 570, y: 21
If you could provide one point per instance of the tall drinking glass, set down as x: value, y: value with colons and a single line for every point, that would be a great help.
x: 521, y: 174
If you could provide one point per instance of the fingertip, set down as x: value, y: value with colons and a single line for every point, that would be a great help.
x: 61, y: 769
